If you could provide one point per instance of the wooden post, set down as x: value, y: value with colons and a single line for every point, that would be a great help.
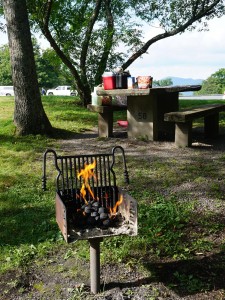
x: 105, y: 124
x: 183, y: 134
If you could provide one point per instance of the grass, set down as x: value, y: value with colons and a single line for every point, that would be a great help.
x: 27, y: 214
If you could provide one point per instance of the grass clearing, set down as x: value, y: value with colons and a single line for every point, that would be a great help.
x: 30, y: 234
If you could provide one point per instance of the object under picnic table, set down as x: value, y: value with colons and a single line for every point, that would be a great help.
x: 122, y: 123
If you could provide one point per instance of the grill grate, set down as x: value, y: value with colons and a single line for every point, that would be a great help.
x: 103, y: 187
x: 67, y: 181
x: 74, y: 221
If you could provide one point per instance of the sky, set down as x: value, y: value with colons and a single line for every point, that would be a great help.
x: 193, y: 54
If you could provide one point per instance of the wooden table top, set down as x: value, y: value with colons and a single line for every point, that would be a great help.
x: 138, y: 92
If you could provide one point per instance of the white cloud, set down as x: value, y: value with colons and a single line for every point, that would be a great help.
x: 189, y: 55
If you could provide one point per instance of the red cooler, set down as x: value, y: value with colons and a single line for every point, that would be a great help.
x: 109, y: 81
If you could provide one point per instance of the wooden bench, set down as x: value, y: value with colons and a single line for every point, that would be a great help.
x: 105, y: 118
x: 183, y: 122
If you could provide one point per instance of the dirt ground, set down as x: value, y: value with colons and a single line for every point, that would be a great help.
x: 50, y: 282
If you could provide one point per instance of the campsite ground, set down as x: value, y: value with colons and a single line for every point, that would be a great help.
x: 180, y: 247
x: 64, y: 275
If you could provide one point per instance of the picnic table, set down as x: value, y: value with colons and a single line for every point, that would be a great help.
x: 145, y: 111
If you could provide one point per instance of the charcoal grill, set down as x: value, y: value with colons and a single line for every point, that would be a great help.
x: 95, y: 207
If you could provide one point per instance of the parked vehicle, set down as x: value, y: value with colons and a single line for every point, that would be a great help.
x: 6, y: 91
x: 63, y: 90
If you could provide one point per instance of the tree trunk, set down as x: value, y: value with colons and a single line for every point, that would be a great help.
x: 29, y: 115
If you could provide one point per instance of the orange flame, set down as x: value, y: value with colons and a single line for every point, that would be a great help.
x: 113, y: 210
x: 86, y: 174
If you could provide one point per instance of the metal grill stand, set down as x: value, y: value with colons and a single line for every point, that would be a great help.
x: 95, y: 264
x: 69, y: 203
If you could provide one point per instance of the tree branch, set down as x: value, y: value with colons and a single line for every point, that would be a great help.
x: 85, y: 45
x: 47, y: 10
x: 108, y: 42
x: 46, y: 32
x: 196, y: 16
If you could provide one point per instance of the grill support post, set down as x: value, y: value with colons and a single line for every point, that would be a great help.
x: 95, y: 264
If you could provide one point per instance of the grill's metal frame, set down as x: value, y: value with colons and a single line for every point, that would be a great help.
x: 69, y: 165
x: 68, y: 186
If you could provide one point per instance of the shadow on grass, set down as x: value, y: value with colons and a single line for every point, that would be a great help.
x: 184, y: 278
x: 68, y: 135
x: 29, y: 225
x: 57, y: 133
x: 192, y: 276
x: 87, y: 134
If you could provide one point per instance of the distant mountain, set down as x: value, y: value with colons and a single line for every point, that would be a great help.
x: 185, y: 81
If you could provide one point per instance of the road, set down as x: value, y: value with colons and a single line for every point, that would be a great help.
x: 210, y: 97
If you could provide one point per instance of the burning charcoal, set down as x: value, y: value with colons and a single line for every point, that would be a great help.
x: 95, y: 206
x: 87, y: 209
x: 103, y: 216
x: 94, y: 214
x: 106, y: 222
x: 102, y: 210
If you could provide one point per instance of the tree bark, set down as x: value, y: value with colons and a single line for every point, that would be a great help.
x: 29, y: 114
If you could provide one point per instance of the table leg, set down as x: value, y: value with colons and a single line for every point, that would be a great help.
x: 145, y: 115
x: 165, y: 102
x: 183, y: 136
x: 105, y: 124
x: 211, y: 125
x: 140, y: 117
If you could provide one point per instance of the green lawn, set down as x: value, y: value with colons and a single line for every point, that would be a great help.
x: 27, y: 214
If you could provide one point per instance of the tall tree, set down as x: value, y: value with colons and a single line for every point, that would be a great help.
x: 5, y: 69
x: 51, y: 71
x: 86, y: 34
x: 29, y: 115
x: 163, y: 82
x: 215, y: 84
